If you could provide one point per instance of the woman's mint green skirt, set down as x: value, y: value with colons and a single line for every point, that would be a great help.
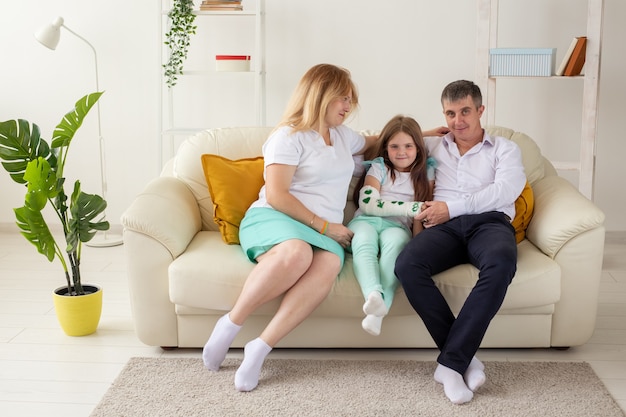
x: 262, y: 228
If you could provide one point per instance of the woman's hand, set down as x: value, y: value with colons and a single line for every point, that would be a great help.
x: 340, y: 233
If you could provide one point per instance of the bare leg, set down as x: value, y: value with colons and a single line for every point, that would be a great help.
x: 276, y: 271
x: 297, y: 304
x: 304, y: 296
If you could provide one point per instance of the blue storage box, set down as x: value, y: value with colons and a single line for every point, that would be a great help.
x: 522, y: 62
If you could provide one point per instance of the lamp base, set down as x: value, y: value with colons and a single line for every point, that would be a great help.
x: 105, y: 240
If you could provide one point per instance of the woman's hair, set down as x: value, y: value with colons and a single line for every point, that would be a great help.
x: 319, y: 86
x: 408, y: 125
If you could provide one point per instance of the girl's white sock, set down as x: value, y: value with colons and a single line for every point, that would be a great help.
x: 372, y: 324
x: 375, y: 304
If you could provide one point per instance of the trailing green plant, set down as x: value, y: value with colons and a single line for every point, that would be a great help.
x: 177, y: 38
x: 30, y: 160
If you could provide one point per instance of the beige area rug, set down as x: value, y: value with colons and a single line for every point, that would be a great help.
x: 328, y: 388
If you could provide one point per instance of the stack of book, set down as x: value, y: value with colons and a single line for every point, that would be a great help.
x: 221, y: 5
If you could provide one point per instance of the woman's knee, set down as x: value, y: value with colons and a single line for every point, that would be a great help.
x: 294, y: 254
x: 328, y: 260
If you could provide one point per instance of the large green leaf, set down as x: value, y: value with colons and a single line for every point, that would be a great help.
x: 21, y: 144
x: 84, y: 209
x: 42, y: 184
x: 67, y: 127
x: 35, y: 230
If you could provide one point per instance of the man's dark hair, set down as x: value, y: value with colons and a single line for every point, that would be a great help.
x: 459, y: 90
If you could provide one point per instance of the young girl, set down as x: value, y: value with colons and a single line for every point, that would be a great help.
x: 399, y: 178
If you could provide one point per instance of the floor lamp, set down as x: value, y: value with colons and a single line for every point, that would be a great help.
x: 49, y: 37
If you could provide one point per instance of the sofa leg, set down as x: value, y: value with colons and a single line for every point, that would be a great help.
x: 169, y: 347
x: 559, y: 347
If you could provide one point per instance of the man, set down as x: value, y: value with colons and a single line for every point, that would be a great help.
x: 477, y: 180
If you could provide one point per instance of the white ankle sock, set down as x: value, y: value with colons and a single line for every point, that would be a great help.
x: 254, y: 353
x: 453, y: 385
x: 475, y: 375
x: 372, y: 324
x: 375, y: 304
x: 218, y: 344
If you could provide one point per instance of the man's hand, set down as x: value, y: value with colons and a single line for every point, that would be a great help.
x: 433, y: 213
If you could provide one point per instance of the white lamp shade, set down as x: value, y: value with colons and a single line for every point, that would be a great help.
x: 49, y: 35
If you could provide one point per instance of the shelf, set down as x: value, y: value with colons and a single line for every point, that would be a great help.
x: 213, y: 72
x: 486, y: 39
x: 218, y: 13
x: 224, y: 13
x: 205, y: 97
x: 552, y: 77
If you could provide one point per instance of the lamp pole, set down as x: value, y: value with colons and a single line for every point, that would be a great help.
x: 49, y: 36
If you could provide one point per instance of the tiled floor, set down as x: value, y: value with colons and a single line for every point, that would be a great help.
x: 45, y: 373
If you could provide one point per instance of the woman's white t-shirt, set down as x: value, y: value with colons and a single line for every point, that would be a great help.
x: 323, y: 172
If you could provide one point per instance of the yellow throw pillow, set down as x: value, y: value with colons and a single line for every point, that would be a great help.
x: 234, y: 186
x: 524, y: 206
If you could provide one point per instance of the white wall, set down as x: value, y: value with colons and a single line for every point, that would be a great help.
x: 401, y: 54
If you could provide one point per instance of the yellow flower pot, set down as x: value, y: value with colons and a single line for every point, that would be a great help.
x: 78, y: 315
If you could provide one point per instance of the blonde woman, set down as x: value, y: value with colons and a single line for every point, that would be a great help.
x: 294, y: 231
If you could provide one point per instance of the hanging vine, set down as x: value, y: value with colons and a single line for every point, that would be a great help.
x: 177, y: 38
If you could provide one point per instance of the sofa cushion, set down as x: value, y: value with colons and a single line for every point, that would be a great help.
x: 233, y: 186
x: 537, y: 283
x: 524, y: 206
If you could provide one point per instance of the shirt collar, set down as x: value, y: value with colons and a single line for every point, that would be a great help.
x: 449, y: 139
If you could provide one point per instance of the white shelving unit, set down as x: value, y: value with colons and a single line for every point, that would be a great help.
x: 202, y: 93
x: 486, y: 38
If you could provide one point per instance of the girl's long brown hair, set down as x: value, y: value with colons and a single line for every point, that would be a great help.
x: 408, y: 125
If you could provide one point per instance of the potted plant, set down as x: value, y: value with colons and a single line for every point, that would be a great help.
x: 177, y: 38
x: 31, y: 161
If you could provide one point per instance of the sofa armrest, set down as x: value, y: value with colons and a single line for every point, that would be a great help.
x: 560, y: 214
x: 158, y: 226
x: 569, y: 228
x: 167, y: 211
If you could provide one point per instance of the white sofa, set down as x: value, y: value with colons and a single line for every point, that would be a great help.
x: 183, y: 277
